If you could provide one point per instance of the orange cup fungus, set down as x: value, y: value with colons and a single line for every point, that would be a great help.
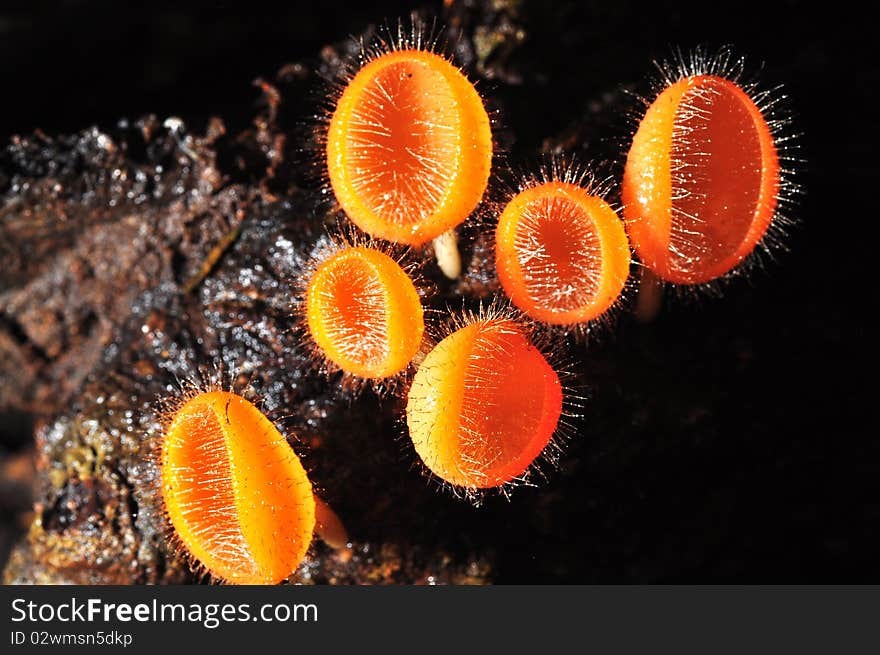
x: 364, y: 313
x: 483, y: 405
x: 702, y: 180
x: 409, y: 147
x: 235, y: 492
x: 561, y: 253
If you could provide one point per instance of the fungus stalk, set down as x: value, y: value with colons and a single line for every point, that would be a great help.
x: 446, y: 252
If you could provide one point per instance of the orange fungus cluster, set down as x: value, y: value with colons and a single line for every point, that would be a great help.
x: 408, y: 154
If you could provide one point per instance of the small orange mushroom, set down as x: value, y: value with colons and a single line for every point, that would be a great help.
x: 234, y: 491
x: 561, y: 253
x: 702, y: 180
x: 364, y: 313
x: 409, y: 147
x: 483, y: 405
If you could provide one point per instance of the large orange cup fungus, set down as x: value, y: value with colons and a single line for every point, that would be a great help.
x: 364, y: 313
x: 235, y: 492
x: 561, y: 253
x: 702, y: 180
x: 483, y: 405
x: 409, y: 147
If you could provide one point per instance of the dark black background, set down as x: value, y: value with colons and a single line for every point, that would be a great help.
x: 732, y: 438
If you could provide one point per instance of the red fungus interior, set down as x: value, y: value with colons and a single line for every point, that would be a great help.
x: 717, y: 165
x: 511, y: 404
x: 203, y: 488
x: 354, y: 312
x: 404, y: 141
x: 559, y: 253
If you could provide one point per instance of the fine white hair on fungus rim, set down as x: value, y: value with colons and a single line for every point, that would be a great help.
x: 775, y: 107
x: 574, y: 399
x: 234, y: 379
x: 414, y: 33
x: 596, y: 179
x: 328, y: 245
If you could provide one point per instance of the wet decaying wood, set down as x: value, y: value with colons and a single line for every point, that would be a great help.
x: 145, y: 256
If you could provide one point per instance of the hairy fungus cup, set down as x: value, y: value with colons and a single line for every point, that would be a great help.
x: 364, y: 313
x: 483, y: 405
x: 234, y: 491
x: 702, y: 179
x: 561, y: 253
x: 409, y: 148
